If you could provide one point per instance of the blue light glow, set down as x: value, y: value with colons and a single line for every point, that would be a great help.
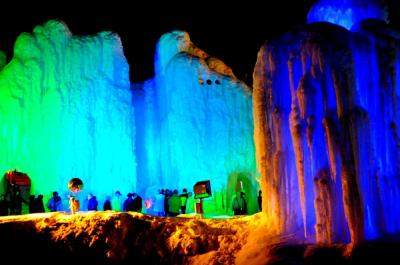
x: 337, y: 93
x: 346, y: 13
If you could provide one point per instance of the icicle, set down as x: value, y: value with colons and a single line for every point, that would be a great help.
x: 331, y: 142
x: 324, y: 207
x: 296, y: 130
x: 352, y: 205
x: 263, y: 140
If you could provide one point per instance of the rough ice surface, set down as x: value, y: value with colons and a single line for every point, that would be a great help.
x: 326, y: 131
x: 132, y: 238
x: 66, y: 111
x: 347, y: 13
x: 198, y: 125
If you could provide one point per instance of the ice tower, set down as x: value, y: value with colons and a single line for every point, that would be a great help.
x: 326, y: 116
x: 66, y: 111
x: 201, y: 123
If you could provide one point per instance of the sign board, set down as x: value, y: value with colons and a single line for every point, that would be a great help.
x: 202, y: 189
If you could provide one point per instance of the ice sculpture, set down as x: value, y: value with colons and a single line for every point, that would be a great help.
x: 326, y: 116
x: 203, y: 127
x: 66, y: 111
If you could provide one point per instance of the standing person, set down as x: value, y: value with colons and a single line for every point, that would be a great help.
x: 55, y: 204
x: 184, y: 197
x: 116, y: 201
x: 239, y: 204
x: 92, y: 202
x: 174, y: 203
x: 74, y: 204
x: 137, y: 203
x: 159, y: 203
x: 259, y: 200
x: 128, y: 203
x: 107, y: 204
x: 32, y: 204
x: 166, y: 203
x: 17, y: 200
x: 38, y: 204
x: 191, y: 202
x: 3, y: 205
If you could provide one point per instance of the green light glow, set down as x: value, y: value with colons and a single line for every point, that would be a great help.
x: 65, y: 112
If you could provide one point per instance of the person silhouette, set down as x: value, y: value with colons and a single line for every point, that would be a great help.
x: 32, y: 204
x: 184, y: 197
x: 55, y: 203
x: 137, y: 202
x: 174, y: 203
x: 239, y: 204
x: 38, y: 204
x: 3, y: 205
x: 107, y: 204
x: 116, y: 201
x: 92, y: 202
x: 74, y: 204
x: 17, y: 200
x: 159, y: 203
x: 128, y: 202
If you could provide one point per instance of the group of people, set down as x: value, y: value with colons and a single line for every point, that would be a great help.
x: 239, y: 203
x: 133, y: 202
x: 11, y: 202
x: 36, y: 204
x: 170, y: 203
x: 165, y: 203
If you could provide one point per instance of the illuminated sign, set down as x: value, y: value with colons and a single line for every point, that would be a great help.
x: 202, y: 189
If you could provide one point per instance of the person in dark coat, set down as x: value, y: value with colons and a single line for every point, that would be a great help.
x: 16, y: 201
x: 92, y: 203
x: 107, y: 204
x: 39, y: 205
x: 136, y: 204
x: 259, y: 200
x: 3, y: 205
x: 32, y: 204
x: 127, y: 202
x: 239, y: 204
x: 166, y: 198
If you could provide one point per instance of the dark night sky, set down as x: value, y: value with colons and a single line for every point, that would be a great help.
x: 233, y: 33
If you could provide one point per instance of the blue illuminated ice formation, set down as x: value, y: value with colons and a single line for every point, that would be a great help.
x: 346, y: 13
x: 326, y: 119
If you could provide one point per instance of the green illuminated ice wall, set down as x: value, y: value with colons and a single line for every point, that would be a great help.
x: 66, y: 111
